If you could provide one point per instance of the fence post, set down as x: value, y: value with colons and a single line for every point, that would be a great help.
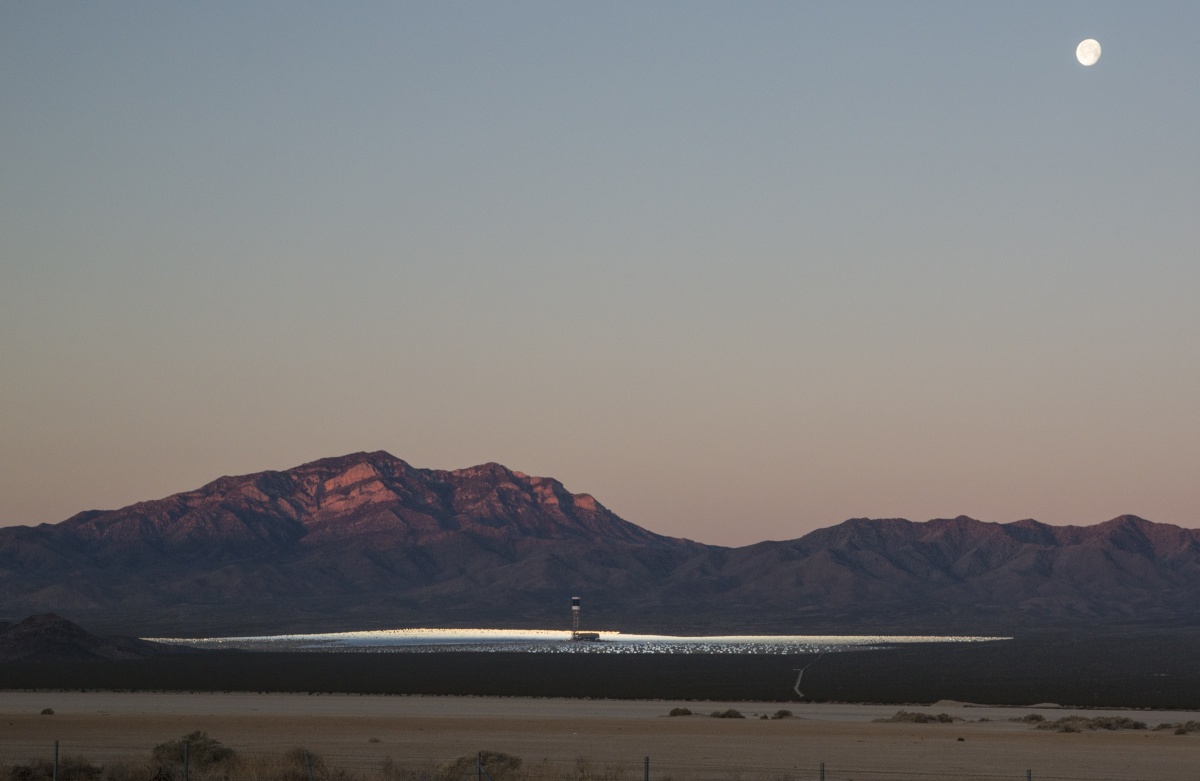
x: 186, y: 747
x: 479, y: 766
x: 56, y: 760
x: 822, y: 771
x: 308, y: 764
x: 646, y: 770
x: 1028, y: 775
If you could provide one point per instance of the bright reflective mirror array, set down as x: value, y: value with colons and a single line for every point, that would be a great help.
x: 558, y: 641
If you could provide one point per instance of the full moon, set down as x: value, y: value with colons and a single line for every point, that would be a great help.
x: 1087, y: 52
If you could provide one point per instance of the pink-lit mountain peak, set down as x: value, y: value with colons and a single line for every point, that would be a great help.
x: 362, y: 493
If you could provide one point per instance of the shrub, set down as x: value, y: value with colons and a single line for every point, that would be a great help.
x: 586, y: 771
x: 48, y: 711
x: 1080, y: 723
x: 120, y: 770
x: 390, y: 770
x: 1180, y: 727
x: 730, y: 713
x: 1032, y: 718
x: 911, y: 717
x: 203, y: 752
x: 69, y: 769
x: 680, y: 712
x: 1115, y: 722
x: 497, y: 764
x: 298, y: 761
x: 288, y: 766
x: 782, y: 713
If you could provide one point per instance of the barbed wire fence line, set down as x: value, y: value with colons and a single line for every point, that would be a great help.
x: 271, y: 761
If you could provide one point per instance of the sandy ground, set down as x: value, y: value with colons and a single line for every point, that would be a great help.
x: 359, y: 732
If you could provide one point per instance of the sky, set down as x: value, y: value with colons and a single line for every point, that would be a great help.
x: 738, y: 270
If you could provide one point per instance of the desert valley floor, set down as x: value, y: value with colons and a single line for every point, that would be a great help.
x: 357, y: 733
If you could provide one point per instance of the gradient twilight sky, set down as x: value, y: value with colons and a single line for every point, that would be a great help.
x: 738, y: 270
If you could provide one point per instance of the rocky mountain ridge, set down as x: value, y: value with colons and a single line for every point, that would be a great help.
x: 367, y: 540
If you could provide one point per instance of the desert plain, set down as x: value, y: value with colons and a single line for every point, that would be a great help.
x: 601, y: 739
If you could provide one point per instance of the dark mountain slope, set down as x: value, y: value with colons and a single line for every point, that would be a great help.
x: 956, y: 569
x: 51, y: 638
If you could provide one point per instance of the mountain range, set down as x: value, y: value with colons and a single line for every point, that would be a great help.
x: 368, y: 541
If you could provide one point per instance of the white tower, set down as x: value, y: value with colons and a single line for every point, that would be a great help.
x: 574, y: 618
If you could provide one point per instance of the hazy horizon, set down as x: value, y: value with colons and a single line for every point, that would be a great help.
x: 737, y: 271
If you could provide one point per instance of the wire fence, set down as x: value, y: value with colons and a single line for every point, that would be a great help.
x: 60, y: 761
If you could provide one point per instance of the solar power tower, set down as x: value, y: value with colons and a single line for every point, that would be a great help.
x: 575, y: 633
